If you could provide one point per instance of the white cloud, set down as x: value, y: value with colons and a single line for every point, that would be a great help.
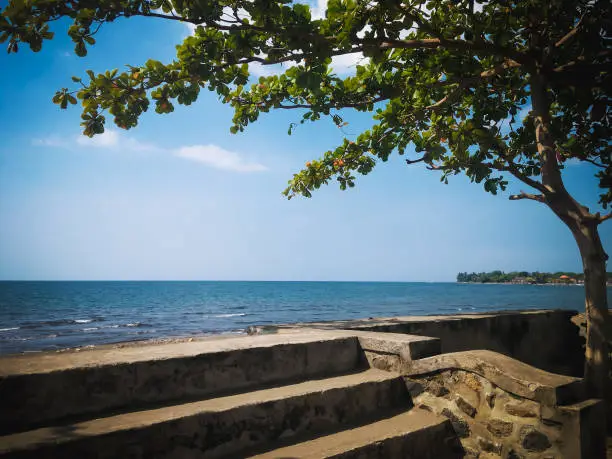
x: 341, y: 65
x: 257, y: 69
x: 209, y: 155
x: 318, y: 10
x: 218, y: 158
x: 113, y: 139
x: 228, y: 13
x: 347, y: 62
x: 136, y: 145
x: 109, y: 138
x: 190, y: 28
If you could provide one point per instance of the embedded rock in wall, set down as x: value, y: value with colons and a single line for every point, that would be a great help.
x: 492, y: 422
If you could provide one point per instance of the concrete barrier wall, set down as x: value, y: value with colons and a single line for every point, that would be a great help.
x: 31, y: 399
x: 544, y: 339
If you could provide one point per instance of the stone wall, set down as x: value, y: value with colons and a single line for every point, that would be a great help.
x: 545, y: 339
x: 505, y: 413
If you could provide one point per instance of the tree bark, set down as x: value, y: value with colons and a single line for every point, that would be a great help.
x: 597, y: 363
x: 583, y: 226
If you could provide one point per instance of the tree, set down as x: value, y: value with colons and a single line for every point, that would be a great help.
x: 449, y: 77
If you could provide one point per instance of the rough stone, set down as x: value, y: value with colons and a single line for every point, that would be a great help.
x: 552, y: 423
x: 500, y: 428
x: 521, y: 410
x: 512, y: 454
x: 470, y: 453
x: 415, y: 388
x: 513, y: 376
x: 490, y: 398
x: 533, y: 440
x: 465, y: 406
x: 489, y: 446
x: 472, y: 382
x: 462, y: 428
x: 437, y: 389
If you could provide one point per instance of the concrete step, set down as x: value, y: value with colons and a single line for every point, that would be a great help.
x: 221, y: 426
x: 52, y: 388
x: 414, y: 434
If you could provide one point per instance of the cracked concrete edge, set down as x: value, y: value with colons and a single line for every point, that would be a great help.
x: 509, y: 374
x: 408, y: 347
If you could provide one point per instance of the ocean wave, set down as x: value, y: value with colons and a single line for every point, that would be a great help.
x: 91, y: 329
x: 59, y: 322
x: 8, y: 329
x: 222, y: 316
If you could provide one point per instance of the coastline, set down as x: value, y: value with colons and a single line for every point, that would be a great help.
x: 58, y: 316
x: 282, y: 328
x: 518, y: 283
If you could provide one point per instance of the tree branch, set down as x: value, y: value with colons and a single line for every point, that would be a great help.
x: 516, y: 172
x: 579, y: 64
x: 568, y: 36
x: 605, y: 217
x: 469, y: 81
x: 523, y: 195
x: 593, y: 162
x: 337, y: 105
x: 435, y: 43
x: 414, y: 161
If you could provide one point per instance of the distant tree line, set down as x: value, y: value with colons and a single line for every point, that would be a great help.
x: 524, y: 277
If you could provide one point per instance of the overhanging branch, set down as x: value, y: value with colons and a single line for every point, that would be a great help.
x: 414, y: 161
x: 516, y: 172
x: 523, y: 195
x: 568, y: 36
x: 481, y: 47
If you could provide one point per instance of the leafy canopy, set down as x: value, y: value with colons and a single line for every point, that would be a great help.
x: 447, y: 76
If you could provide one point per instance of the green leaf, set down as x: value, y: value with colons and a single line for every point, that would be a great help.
x: 80, y: 49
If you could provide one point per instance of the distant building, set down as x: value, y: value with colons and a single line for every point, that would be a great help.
x: 523, y: 280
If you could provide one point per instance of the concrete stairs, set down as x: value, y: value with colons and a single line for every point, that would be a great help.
x: 283, y: 396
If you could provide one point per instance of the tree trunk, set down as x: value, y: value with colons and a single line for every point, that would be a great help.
x: 583, y: 225
x: 597, y: 364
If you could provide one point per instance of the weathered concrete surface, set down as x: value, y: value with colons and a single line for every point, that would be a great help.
x: 509, y: 374
x: 218, y: 427
x: 407, y: 347
x: 223, y: 402
x: 46, y: 362
x: 413, y: 434
x: 39, y: 389
x: 546, y: 339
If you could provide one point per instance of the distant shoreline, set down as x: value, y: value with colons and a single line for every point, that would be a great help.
x: 519, y: 283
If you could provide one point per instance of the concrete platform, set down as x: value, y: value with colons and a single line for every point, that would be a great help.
x: 220, y: 426
x: 34, y: 389
x: 412, y: 434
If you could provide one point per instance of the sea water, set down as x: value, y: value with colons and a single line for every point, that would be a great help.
x: 38, y: 316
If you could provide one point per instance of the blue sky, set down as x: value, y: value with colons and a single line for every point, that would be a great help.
x: 179, y: 197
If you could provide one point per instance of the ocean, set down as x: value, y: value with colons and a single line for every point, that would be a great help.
x: 37, y: 316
